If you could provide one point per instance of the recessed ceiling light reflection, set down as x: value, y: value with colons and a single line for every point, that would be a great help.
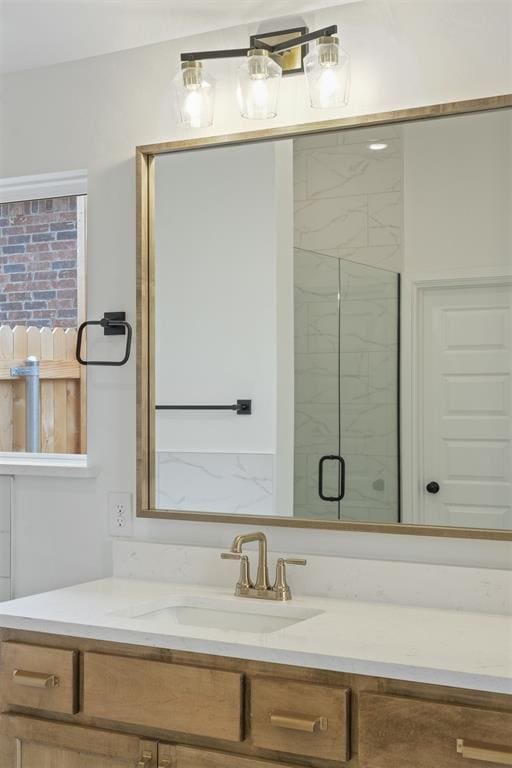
x: 376, y: 146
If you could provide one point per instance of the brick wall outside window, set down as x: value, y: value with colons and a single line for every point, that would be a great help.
x: 38, y: 263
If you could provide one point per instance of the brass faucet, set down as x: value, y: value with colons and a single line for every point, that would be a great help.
x: 261, y: 588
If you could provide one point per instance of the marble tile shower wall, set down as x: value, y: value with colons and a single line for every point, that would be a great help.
x: 348, y: 206
x: 348, y: 198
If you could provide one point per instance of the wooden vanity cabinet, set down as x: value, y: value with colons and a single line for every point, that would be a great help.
x: 300, y: 718
x: 400, y: 732
x: 29, y: 742
x: 173, y: 756
x: 78, y: 703
x: 39, y: 677
x: 172, y: 697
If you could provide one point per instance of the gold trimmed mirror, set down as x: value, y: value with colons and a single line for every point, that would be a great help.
x: 325, y: 324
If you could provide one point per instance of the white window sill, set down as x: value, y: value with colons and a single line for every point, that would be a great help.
x: 46, y: 465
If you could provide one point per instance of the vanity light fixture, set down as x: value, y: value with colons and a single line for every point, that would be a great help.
x: 269, y: 58
x: 195, y: 95
x: 259, y: 78
x: 328, y: 71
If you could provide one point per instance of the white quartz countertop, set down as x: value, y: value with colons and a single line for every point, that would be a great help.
x: 446, y: 647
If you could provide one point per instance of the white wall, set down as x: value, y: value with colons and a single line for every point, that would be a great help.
x: 5, y: 539
x: 285, y: 391
x: 458, y: 196
x: 223, y: 270
x: 215, y: 304
x: 91, y: 114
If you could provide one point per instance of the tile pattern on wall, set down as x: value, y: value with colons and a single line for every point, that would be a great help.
x: 348, y: 217
x: 237, y: 483
x: 348, y: 198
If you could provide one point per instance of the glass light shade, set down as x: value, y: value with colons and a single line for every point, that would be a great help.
x: 194, y: 91
x: 259, y: 78
x: 327, y: 68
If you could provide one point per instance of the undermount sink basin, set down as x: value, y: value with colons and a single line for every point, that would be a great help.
x: 213, y: 613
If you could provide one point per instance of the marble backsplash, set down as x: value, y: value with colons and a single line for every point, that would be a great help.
x: 430, y: 585
x: 238, y: 483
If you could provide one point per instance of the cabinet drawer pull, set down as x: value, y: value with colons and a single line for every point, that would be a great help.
x: 298, y: 722
x: 145, y: 760
x: 486, y: 752
x: 35, y: 679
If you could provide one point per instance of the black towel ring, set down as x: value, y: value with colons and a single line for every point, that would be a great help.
x: 113, y: 324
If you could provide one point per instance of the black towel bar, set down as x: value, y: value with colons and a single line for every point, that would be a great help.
x: 242, y: 407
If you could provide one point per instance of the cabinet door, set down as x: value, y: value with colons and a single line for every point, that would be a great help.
x: 27, y: 742
x: 170, y: 756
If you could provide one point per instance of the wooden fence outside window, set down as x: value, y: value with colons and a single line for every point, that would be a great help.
x: 63, y: 389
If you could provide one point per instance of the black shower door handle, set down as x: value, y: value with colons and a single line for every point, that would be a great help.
x: 341, y: 462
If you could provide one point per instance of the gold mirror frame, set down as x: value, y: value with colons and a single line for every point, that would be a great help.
x: 145, y: 156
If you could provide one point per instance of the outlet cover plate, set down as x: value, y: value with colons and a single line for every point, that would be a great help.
x: 120, y: 514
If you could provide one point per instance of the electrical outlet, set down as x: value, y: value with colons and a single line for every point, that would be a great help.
x: 120, y: 514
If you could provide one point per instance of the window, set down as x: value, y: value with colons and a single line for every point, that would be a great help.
x: 42, y: 302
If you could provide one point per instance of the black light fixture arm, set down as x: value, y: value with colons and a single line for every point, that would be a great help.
x: 303, y: 39
x: 235, y: 53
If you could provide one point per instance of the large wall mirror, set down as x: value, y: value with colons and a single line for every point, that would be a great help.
x: 325, y: 333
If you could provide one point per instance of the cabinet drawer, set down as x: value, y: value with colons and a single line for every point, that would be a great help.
x: 300, y: 718
x: 40, y: 678
x: 173, y: 697
x: 398, y: 732
x: 187, y: 757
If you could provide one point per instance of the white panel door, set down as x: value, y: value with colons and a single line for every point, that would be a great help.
x: 466, y: 415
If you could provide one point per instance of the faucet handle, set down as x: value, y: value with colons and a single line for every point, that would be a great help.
x: 244, y: 581
x: 281, y: 587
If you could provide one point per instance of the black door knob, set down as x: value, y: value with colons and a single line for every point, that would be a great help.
x: 432, y: 487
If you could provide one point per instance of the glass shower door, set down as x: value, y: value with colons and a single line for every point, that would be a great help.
x: 346, y: 390
x: 368, y: 387
x: 317, y: 407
